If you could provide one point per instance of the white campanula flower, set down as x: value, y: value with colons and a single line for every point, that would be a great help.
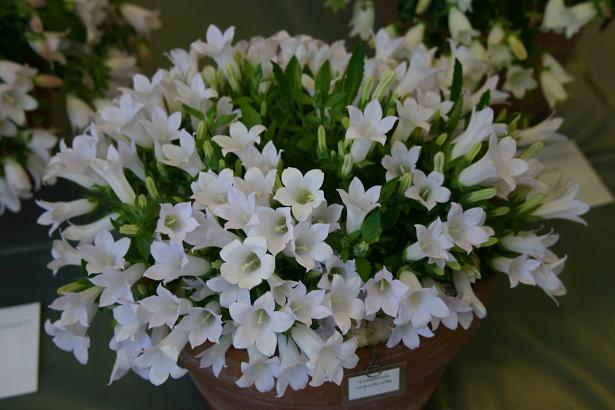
x: 366, y: 128
x: 195, y: 94
x: 77, y: 307
x: 460, y: 313
x: 463, y: 284
x: 112, y: 171
x: 58, y: 212
x: 240, y: 138
x: 301, y: 192
x: 104, y: 253
x: 125, y: 354
x: 401, y: 161
x: 259, y: 183
x: 183, y: 156
x: 358, y: 203
x: 304, y: 306
x: 164, y: 307
x: 419, y: 305
x: 229, y: 293
x: 409, y: 335
x: 385, y: 45
x: 202, y: 324
x: 218, y: 45
x: 466, y: 228
x: 118, y: 117
x: 519, y: 269
x: 568, y: 20
x: 459, y: 26
x: 327, y: 358
x: 528, y: 243
x: 79, y: 112
x: 266, y: 160
x: 327, y: 214
x: 552, y: 80
x: 247, y: 264
x: 208, y: 233
x: 384, y: 292
x: 144, y: 21
x: 131, y: 319
x: 308, y: 244
x: 73, y: 163
x: 432, y: 242
x: 86, y: 233
x: 547, y: 277
x: 176, y: 221
x: 210, y: 189
x: 479, y: 128
x: 293, y: 368
x: 418, y: 72
x: 498, y: 165
x: 545, y: 131
x: 275, y: 225
x: 519, y: 80
x: 198, y: 287
x: 362, y: 21
x: 239, y: 211
x: 560, y: 202
x: 214, y: 356
x: 428, y: 189
x: 116, y: 284
x: 63, y: 255
x: 70, y: 338
x: 411, y: 116
x: 172, y: 262
x: 161, y: 359
x: 258, y: 323
x: 336, y: 266
x: 343, y: 301
x: 162, y: 128
x: 259, y: 371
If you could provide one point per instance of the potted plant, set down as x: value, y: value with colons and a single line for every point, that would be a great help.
x: 285, y: 212
x: 72, y: 54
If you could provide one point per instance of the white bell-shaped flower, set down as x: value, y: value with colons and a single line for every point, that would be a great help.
x: 301, y: 192
x: 247, y: 264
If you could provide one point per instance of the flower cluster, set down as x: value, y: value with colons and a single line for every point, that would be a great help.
x: 491, y: 37
x: 74, y: 51
x: 276, y: 194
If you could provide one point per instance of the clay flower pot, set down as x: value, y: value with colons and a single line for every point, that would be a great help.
x: 410, y: 376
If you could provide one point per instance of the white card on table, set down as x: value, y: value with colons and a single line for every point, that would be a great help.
x: 567, y: 158
x: 19, y: 345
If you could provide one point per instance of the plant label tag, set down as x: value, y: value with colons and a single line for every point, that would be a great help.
x: 374, y: 384
x: 19, y: 344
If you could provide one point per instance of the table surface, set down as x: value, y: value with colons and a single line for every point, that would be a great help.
x: 528, y: 354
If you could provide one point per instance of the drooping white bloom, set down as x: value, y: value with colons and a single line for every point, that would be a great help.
x: 552, y: 80
x: 519, y: 269
x: 386, y: 45
x: 327, y: 359
x: 202, y: 324
x: 183, y: 156
x: 546, y: 276
x: 58, y: 212
x: 428, y: 189
x: 568, y: 20
x: 210, y: 190
x: 161, y: 359
x: 266, y: 160
x: 77, y: 307
x: 362, y: 21
x: 401, y: 161
x: 257, y: 182
x: 308, y: 246
x: 112, y: 171
x: 258, y: 323
x: 530, y: 244
x: 164, y: 307
x: 409, y: 335
x: 478, y: 129
x: 466, y: 228
x: 239, y: 211
x: 384, y: 292
x: 411, y: 115
x: 498, y: 165
x: 214, y: 356
x: 301, y: 192
x: 247, y: 264
x: 63, y: 255
x: 130, y: 319
x: 70, y: 338
x: 432, y: 242
x: 144, y: 21
x: 293, y: 367
x: 459, y: 26
x: 304, y: 306
x: 176, y: 220
x: 358, y: 203
x: 366, y: 128
x: 105, y: 253
x: 419, y: 304
x: 561, y: 203
x: 117, y: 283
x: 327, y: 214
x: 198, y: 287
x: 545, y: 131
x: 240, y: 138
x: 463, y: 284
x: 208, y: 233
x: 519, y: 80
x: 172, y: 262
x: 228, y: 292
x: 86, y: 233
x: 260, y: 371
x: 343, y: 301
x: 460, y: 313
x: 275, y: 225
x: 419, y: 71
x: 79, y: 112
x: 163, y: 129
x: 218, y: 45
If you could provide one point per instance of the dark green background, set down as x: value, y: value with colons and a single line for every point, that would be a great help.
x: 529, y: 354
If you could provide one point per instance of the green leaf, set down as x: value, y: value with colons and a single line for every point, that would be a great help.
x: 224, y: 120
x: 484, y: 100
x: 455, y: 115
x: 364, y: 269
x: 322, y: 82
x: 390, y: 217
x: 249, y: 116
x: 354, y: 74
x: 389, y: 189
x: 194, y: 112
x: 457, y: 81
x: 371, y: 229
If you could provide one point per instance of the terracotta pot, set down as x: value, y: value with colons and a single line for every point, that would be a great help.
x: 419, y: 373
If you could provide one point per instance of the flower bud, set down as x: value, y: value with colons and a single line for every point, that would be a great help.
x: 36, y: 24
x: 130, y: 229
x: 210, y: 76
x: 208, y: 151
x: 404, y: 182
x: 150, y: 185
x: 367, y: 90
x: 414, y: 36
x: 321, y: 150
x: 474, y: 152
x: 421, y: 6
x: 496, y: 35
x: 362, y: 22
x: 383, y: 84
x: 490, y: 242
x: 232, y: 78
x: 501, y: 211
x: 552, y: 89
x: 48, y: 81
x: 438, y: 162
x: 74, y: 287
x: 79, y: 112
x: 517, y: 47
x: 532, y: 150
x: 441, y: 139
x: 345, y: 122
x: 481, y: 195
x: 346, y: 168
x: 531, y: 203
